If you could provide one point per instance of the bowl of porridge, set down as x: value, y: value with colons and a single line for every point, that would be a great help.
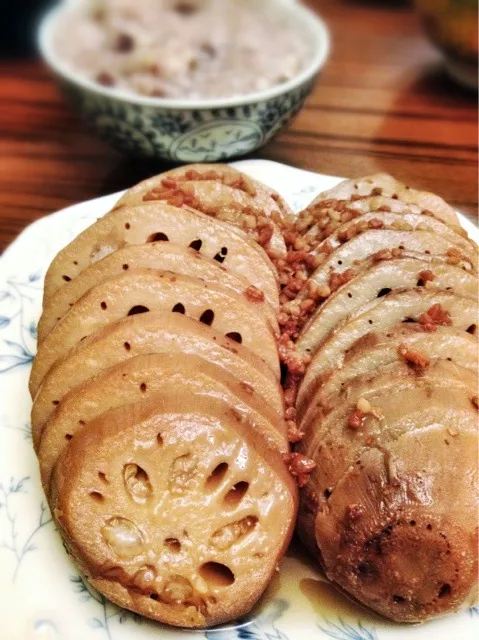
x: 185, y: 80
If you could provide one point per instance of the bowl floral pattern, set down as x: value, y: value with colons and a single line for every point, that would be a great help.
x: 186, y: 135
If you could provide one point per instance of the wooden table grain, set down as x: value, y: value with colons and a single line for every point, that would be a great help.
x: 381, y: 103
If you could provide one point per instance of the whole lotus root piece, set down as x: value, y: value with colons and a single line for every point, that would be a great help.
x: 175, y: 510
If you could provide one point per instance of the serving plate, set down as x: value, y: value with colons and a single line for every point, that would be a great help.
x: 42, y: 594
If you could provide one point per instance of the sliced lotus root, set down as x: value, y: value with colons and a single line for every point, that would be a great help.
x: 155, y: 255
x: 397, y: 408
x: 373, y: 402
x: 159, y: 222
x: 298, y: 307
x: 430, y: 308
x: 143, y: 377
x: 349, y: 259
x: 321, y: 220
x: 393, y: 221
x: 382, y: 244
x: 408, y: 342
x: 232, y: 199
x: 380, y: 279
x: 382, y: 184
x: 269, y: 200
x: 224, y: 203
x: 393, y: 533
x: 175, y: 511
x: 154, y: 332
x: 143, y: 290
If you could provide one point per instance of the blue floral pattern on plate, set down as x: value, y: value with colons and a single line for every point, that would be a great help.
x: 12, y: 540
x: 40, y: 588
x: 14, y: 298
x: 343, y: 630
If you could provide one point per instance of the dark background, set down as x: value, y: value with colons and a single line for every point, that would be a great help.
x: 382, y: 103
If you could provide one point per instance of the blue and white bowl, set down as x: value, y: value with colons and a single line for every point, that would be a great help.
x: 190, y: 130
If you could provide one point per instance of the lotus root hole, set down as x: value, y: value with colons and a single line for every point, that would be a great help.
x: 144, y: 579
x: 234, y: 335
x: 159, y: 440
x: 173, y: 544
x: 143, y: 387
x: 384, y: 292
x: 177, y: 590
x: 66, y: 278
x: 429, y: 527
x: 216, y: 575
x: 127, y: 346
x: 196, y: 244
x: 179, y: 308
x: 103, y: 305
x: 182, y: 473
x: 472, y: 329
x: 68, y: 436
x: 139, y: 308
x: 56, y: 402
x: 236, y: 494
x: 103, y: 477
x: 125, y: 267
x: 228, y: 535
x: 97, y: 496
x: 123, y: 537
x: 158, y: 237
x: 137, y: 483
x: 127, y: 225
x: 444, y: 591
x: 221, y: 255
x: 217, y: 476
x: 207, y: 317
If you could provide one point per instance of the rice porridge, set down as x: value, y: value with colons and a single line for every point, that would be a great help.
x: 183, y: 49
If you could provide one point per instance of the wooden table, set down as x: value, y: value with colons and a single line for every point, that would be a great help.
x: 382, y: 103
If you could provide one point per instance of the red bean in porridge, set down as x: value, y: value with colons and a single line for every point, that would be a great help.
x: 183, y: 49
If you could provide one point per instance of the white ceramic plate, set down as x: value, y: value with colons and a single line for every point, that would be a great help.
x: 42, y: 595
